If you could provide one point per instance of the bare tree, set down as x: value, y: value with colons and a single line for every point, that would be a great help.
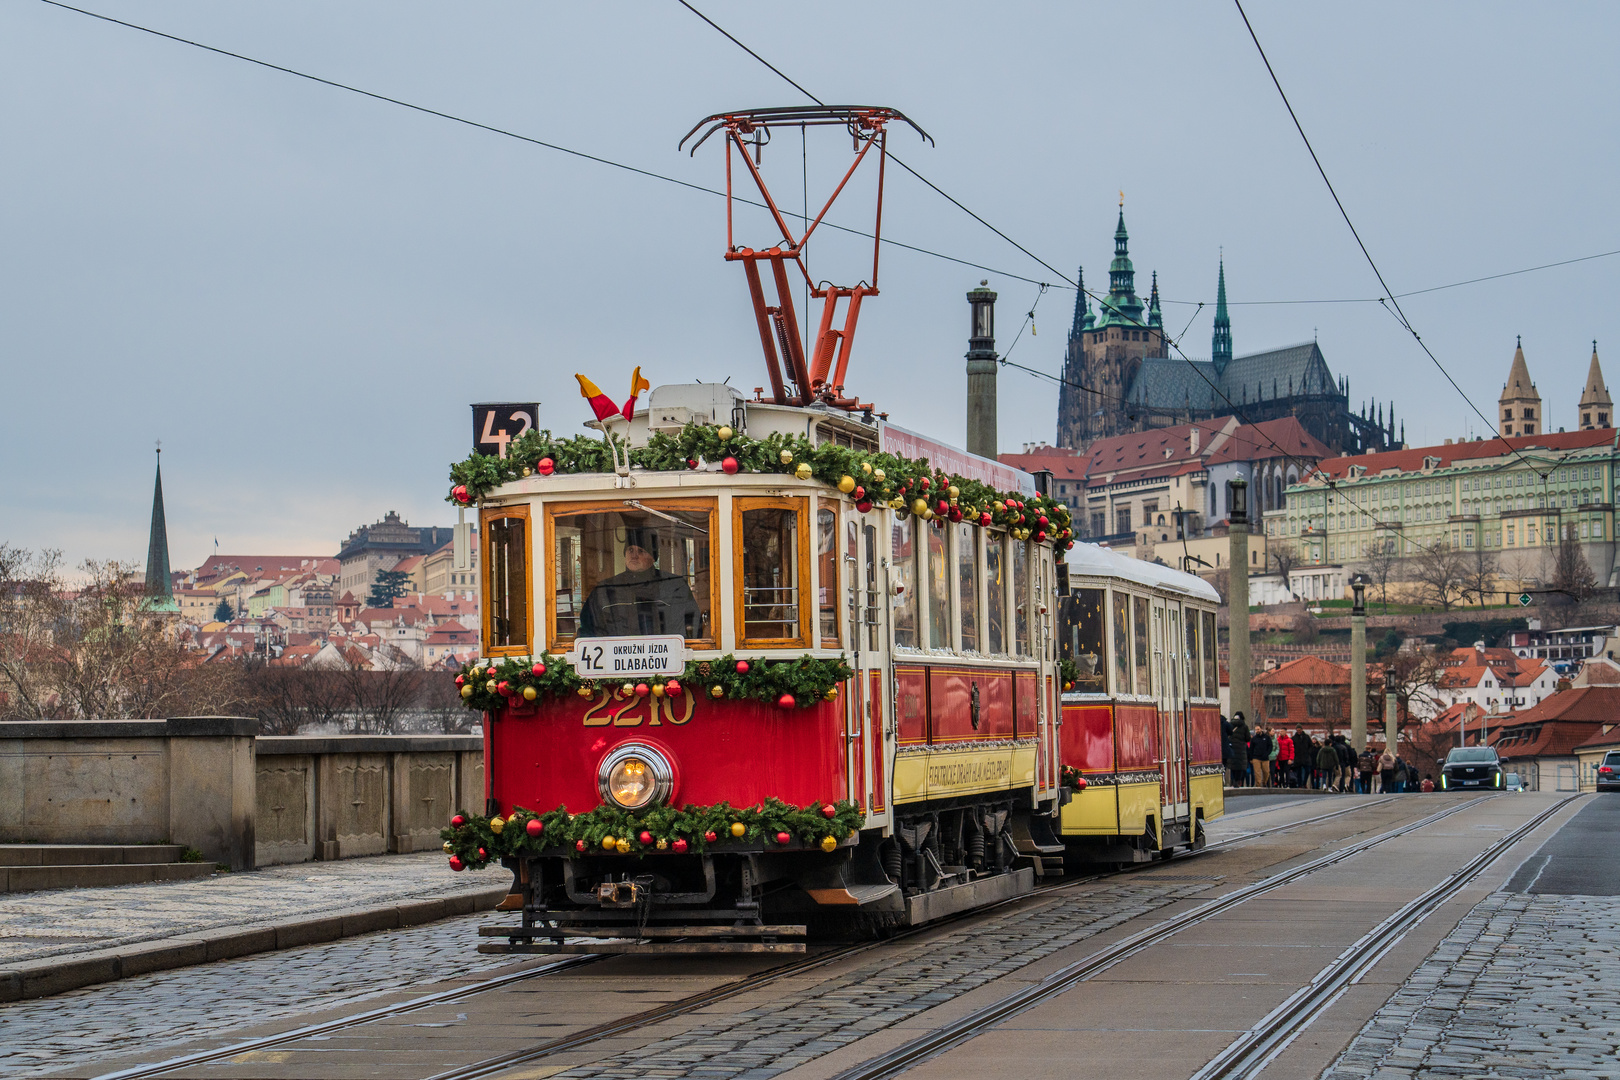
x: 1441, y: 573
x: 1572, y: 577
x: 1480, y: 577
x: 380, y: 695
x: 1414, y: 677
x: 1383, y: 566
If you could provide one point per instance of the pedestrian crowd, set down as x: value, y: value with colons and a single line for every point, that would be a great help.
x: 1266, y: 757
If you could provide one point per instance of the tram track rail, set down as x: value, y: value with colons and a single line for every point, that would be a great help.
x: 670, y: 1010
x: 924, y: 1047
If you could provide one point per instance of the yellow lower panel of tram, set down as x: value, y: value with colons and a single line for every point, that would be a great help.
x: 939, y: 774
x: 1207, y: 792
x: 1109, y: 810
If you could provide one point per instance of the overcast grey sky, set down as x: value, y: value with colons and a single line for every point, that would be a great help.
x: 299, y: 290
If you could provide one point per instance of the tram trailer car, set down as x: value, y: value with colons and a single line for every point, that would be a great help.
x: 925, y: 780
x: 1141, y: 735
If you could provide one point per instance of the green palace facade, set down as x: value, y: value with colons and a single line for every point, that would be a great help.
x: 1472, y: 496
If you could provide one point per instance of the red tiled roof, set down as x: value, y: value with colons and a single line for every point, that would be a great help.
x: 1560, y: 723
x: 1412, y: 460
x: 266, y: 566
x: 1605, y: 735
x: 1314, y: 671
x: 1060, y: 462
x: 1270, y: 439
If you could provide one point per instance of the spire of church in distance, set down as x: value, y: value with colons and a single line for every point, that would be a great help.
x: 158, y: 586
x: 1221, y: 343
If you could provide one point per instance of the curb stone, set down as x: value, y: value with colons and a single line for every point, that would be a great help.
x: 56, y: 975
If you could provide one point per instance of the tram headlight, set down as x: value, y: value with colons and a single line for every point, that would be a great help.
x: 634, y: 776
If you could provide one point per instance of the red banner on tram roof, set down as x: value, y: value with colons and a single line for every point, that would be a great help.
x: 903, y: 443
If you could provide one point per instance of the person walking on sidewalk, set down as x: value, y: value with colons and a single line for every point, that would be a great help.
x: 1276, y: 752
x: 1285, y: 760
x: 1260, y: 756
x: 1366, y: 763
x: 1386, y: 771
x: 1240, y: 745
x: 1304, y: 757
x: 1347, y: 762
x: 1327, y: 764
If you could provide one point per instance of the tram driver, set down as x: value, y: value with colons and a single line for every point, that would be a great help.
x: 642, y: 599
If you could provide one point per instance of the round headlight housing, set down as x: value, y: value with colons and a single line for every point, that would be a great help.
x: 635, y: 776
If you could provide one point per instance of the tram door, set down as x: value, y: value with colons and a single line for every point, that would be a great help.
x: 1170, y: 697
x: 869, y: 722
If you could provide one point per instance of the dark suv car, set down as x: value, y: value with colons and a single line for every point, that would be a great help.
x: 1608, y: 774
x: 1471, y: 767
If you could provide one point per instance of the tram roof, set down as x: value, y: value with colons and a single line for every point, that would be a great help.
x: 1089, y: 560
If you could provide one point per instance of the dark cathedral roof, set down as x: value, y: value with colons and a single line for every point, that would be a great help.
x: 1173, y: 383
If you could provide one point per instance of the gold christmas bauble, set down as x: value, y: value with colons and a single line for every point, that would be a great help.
x: 786, y: 456
x: 828, y: 844
x: 717, y: 691
x: 467, y: 691
x: 491, y: 685
x: 530, y: 693
x: 449, y: 847
x: 663, y: 845
x: 527, y: 470
x: 803, y: 470
x: 738, y: 828
x: 496, y: 825
x: 657, y: 689
x: 919, y: 507
x: 866, y: 468
x: 622, y: 847
x: 953, y: 491
x: 584, y: 691
x: 831, y: 694
x: 877, y: 474
x: 999, y: 506
x: 724, y: 432
x: 608, y: 843
x: 846, y: 484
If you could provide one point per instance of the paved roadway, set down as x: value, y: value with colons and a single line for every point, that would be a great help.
x: 1159, y: 1014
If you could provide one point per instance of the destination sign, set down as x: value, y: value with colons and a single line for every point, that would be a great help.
x: 626, y: 657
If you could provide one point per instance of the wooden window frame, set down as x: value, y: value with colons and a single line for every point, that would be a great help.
x: 800, y: 505
x: 835, y: 507
x: 486, y: 606
x: 709, y: 504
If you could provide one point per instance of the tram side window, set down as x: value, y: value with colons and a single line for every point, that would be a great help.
x: 872, y: 620
x: 623, y: 572
x: 827, y: 573
x: 1084, y: 642
x: 506, y: 582
x: 1021, y: 596
x: 1143, y: 685
x: 1211, y: 643
x: 939, y: 591
x: 1190, y: 658
x: 902, y: 564
x: 768, y: 545
x: 967, y: 583
x: 995, y: 595
x: 1122, y: 643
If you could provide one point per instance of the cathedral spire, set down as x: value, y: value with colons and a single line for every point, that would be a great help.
x: 1122, y: 307
x: 1596, y: 406
x: 1221, y: 342
x: 1083, y: 318
x: 158, y: 586
x: 1155, y: 317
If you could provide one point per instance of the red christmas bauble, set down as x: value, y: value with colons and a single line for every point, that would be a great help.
x: 859, y: 493
x: 1080, y: 783
x: 678, y: 847
x: 1020, y: 519
x: 742, y: 667
x: 864, y: 505
x: 1040, y: 535
x: 956, y: 513
x: 710, y: 836
x: 783, y: 838
x: 984, y: 518
x: 691, y: 463
x: 456, y: 864
x: 535, y: 827
x: 829, y: 811
x: 539, y: 669
x: 579, y: 845
x: 785, y: 702
x: 545, y: 466
x: 672, y: 688
x: 729, y: 465
x: 482, y: 854
x: 460, y: 494
x: 642, y: 689
x: 504, y: 688
x: 942, y: 507
x: 923, y: 483
x: 645, y: 837
x: 491, y: 673
x: 1041, y: 521
x: 460, y: 681
x: 458, y: 821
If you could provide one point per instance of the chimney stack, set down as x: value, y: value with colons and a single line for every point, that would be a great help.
x: 981, y: 372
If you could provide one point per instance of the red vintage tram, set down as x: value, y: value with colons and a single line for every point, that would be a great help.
x: 752, y: 665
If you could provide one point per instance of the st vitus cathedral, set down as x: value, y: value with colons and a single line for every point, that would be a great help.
x: 1120, y: 376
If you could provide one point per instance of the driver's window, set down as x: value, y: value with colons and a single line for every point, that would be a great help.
x: 623, y: 570
x: 772, y: 569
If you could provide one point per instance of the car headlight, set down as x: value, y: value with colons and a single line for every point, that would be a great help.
x: 634, y: 776
x: 1442, y: 781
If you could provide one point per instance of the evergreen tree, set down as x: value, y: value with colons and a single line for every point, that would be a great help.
x: 223, y: 612
x: 389, y: 586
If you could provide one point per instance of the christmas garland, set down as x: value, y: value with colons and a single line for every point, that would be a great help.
x: 474, y: 842
x: 1068, y: 672
x: 868, y: 478
x: 1070, y: 777
x: 490, y: 686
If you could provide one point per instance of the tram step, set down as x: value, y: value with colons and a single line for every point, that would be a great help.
x: 645, y: 931
x: 670, y: 948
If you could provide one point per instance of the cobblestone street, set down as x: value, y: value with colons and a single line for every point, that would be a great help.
x: 65, y: 921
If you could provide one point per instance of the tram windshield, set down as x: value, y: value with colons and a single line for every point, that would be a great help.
x: 629, y: 569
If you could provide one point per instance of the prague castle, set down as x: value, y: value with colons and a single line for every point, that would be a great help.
x: 1120, y: 376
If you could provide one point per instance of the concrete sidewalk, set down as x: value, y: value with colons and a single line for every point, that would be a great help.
x: 64, y: 939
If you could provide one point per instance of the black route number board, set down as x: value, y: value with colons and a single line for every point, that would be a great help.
x: 496, y: 425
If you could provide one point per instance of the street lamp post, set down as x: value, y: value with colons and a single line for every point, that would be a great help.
x: 1237, y: 575
x: 1358, y: 663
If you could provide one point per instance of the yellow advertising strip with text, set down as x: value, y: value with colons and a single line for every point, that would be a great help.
x: 939, y: 774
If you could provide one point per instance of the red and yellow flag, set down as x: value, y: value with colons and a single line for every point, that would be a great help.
x: 637, y: 385
x: 601, y: 404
